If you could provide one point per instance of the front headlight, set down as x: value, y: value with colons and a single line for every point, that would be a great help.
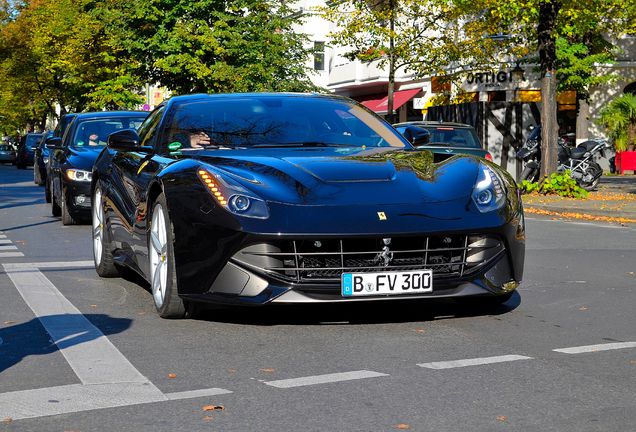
x: 232, y: 196
x: 79, y: 175
x: 488, y: 192
x: 45, y: 160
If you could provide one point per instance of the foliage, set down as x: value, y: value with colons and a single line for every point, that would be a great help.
x: 561, y: 184
x: 58, y: 53
x: 578, y: 64
x: 212, y: 46
x: 619, y: 118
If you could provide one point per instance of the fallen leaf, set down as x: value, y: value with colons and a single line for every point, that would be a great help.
x: 141, y: 313
x: 419, y: 330
x: 268, y: 370
x: 172, y: 375
x: 631, y: 273
x: 207, y: 418
x: 93, y: 306
x: 231, y: 370
x: 502, y: 418
x: 213, y: 408
x: 9, y: 322
x: 7, y: 420
x: 583, y: 308
x: 402, y: 426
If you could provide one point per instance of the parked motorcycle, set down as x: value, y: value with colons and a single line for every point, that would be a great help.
x: 578, y: 160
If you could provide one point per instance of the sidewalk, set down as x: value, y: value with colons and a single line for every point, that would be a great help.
x: 614, y: 201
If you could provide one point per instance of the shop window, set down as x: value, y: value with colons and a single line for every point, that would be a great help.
x: 529, y: 95
x: 319, y: 56
x: 497, y: 96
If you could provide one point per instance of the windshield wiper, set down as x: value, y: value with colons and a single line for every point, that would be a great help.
x: 302, y: 144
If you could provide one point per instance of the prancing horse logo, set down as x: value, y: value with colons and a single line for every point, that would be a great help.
x: 382, y: 216
x: 386, y: 256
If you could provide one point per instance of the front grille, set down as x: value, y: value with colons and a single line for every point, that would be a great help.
x: 324, y: 260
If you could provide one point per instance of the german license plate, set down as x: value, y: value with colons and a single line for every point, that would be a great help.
x: 387, y: 283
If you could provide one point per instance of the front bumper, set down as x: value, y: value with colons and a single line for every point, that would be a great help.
x: 500, y: 272
x: 78, y: 198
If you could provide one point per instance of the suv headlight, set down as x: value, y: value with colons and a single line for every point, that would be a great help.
x: 79, y: 175
x: 232, y: 196
x: 488, y: 192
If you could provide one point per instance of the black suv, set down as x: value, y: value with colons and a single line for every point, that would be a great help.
x: 26, y: 149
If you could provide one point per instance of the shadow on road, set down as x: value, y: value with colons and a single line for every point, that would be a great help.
x: 13, y: 228
x: 31, y: 339
x: 395, y: 311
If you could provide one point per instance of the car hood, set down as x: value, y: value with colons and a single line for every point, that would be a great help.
x: 336, y: 176
x: 83, y: 158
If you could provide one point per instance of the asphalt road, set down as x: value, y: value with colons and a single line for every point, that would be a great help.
x: 80, y: 353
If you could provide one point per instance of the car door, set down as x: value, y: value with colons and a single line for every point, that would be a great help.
x: 131, y: 175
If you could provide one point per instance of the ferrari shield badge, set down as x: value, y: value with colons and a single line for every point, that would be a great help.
x: 382, y: 216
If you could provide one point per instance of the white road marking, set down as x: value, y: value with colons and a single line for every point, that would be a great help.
x: 108, y: 378
x: 2, y: 236
x: 47, y: 265
x: 11, y: 254
x: 8, y: 247
x: 324, y: 379
x: 197, y: 393
x: 5, y: 242
x: 595, y: 348
x: 472, y: 362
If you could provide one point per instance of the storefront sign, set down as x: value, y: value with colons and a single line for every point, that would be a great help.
x: 489, y: 77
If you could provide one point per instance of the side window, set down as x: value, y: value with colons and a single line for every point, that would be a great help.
x: 148, y: 128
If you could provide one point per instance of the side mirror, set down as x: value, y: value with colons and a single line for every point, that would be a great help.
x: 53, y: 143
x: 417, y: 136
x: 126, y: 140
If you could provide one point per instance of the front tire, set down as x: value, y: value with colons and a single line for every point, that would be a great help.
x: 47, y: 191
x: 55, y: 207
x: 163, y: 277
x: 67, y: 218
x: 102, y: 245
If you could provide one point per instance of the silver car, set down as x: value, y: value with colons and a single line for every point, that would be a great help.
x: 7, y: 154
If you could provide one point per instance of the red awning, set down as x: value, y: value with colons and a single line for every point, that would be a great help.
x: 399, y: 98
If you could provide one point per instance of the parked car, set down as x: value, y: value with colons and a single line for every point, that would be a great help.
x: 72, y: 160
x: 40, y: 159
x: 298, y: 198
x: 7, y: 154
x: 447, y: 139
x: 26, y: 150
x: 59, y: 130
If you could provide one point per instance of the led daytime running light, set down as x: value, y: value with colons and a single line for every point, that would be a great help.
x: 213, y: 186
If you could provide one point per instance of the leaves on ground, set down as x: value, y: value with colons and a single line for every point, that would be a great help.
x: 207, y: 418
x: 172, y: 375
x: 419, y: 330
x: 502, y: 418
x: 7, y: 420
x: 9, y: 322
x: 580, y: 216
x: 583, y: 308
x: 212, y: 408
x: 402, y: 426
x: 268, y: 370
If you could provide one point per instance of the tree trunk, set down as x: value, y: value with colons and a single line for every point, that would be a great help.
x: 389, y: 109
x: 582, y: 121
x: 548, y: 12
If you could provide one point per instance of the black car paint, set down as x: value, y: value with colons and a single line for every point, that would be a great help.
x: 68, y: 157
x: 311, y: 192
x: 26, y: 149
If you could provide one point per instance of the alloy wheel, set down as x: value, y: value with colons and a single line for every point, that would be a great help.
x: 158, y: 251
x: 98, y: 226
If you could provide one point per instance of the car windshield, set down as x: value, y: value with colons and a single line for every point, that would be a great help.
x: 94, y: 132
x: 32, y: 141
x: 274, y: 121
x: 453, y: 137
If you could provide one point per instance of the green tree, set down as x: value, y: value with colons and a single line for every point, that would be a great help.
x: 211, y: 46
x: 619, y: 118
